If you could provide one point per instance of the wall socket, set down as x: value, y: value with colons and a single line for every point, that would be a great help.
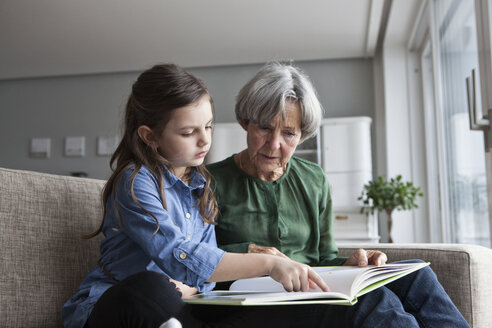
x: 74, y: 146
x: 40, y: 148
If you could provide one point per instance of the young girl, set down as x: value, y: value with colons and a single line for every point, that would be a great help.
x: 160, y: 214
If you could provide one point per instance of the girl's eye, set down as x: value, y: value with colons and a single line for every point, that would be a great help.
x: 187, y: 134
x: 208, y: 127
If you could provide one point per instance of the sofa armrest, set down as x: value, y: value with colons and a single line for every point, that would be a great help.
x: 465, y: 271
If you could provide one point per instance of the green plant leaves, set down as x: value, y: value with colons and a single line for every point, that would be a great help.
x: 383, y: 195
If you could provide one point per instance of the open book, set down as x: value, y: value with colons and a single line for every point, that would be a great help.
x: 346, y: 284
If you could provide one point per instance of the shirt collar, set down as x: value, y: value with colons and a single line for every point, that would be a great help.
x: 197, y: 180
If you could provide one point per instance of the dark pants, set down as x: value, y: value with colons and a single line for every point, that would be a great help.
x: 145, y: 299
x: 148, y: 299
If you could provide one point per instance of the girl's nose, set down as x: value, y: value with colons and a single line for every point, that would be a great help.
x: 205, y: 138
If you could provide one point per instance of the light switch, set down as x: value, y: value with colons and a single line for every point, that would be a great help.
x: 74, y: 146
x: 106, y: 145
x: 40, y: 148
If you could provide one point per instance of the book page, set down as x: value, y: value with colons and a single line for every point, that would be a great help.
x: 338, y: 279
x: 346, y: 284
x: 259, y: 298
x: 380, y: 276
x: 344, y: 281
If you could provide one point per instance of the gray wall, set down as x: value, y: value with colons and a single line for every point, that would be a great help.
x: 92, y: 105
x: 345, y: 87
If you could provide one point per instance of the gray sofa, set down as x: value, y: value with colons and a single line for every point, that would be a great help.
x: 43, y: 259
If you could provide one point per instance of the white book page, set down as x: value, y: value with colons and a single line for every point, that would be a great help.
x: 346, y: 280
x: 379, y: 273
x: 338, y: 279
x: 266, y: 291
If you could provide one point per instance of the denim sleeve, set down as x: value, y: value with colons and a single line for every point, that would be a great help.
x: 189, y: 261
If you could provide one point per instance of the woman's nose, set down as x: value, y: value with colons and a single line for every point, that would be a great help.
x: 274, y: 141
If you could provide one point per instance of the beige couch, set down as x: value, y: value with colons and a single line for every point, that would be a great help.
x: 43, y: 259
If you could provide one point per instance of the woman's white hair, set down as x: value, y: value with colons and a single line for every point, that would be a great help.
x: 263, y: 98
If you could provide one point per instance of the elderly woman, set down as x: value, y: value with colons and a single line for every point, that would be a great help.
x: 273, y: 202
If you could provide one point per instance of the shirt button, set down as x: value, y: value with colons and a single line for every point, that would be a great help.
x: 204, y: 223
x: 182, y: 256
x: 188, y: 215
x: 188, y: 237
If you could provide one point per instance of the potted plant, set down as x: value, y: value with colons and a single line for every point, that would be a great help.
x: 384, y: 195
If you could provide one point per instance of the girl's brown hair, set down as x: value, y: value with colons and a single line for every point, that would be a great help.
x: 157, y: 92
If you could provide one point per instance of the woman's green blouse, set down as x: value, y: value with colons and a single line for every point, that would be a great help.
x: 293, y: 214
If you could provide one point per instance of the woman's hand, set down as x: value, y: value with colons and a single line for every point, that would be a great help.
x: 184, y: 289
x: 253, y: 248
x: 362, y: 257
x: 295, y: 276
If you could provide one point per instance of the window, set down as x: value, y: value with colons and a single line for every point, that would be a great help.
x: 457, y: 175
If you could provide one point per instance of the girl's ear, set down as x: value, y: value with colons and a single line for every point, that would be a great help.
x: 145, y: 133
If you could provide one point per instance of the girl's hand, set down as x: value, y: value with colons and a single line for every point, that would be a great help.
x: 295, y: 276
x: 253, y: 248
x: 185, y: 290
x: 362, y: 258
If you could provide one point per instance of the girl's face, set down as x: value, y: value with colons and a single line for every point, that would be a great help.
x: 187, y: 136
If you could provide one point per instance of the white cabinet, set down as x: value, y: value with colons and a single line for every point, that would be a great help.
x: 346, y: 157
x: 347, y: 161
x: 227, y: 139
x: 350, y: 226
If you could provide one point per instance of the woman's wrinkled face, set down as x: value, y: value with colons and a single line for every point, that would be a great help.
x: 271, y: 146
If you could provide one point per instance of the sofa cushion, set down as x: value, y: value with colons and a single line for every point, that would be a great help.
x: 43, y: 257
